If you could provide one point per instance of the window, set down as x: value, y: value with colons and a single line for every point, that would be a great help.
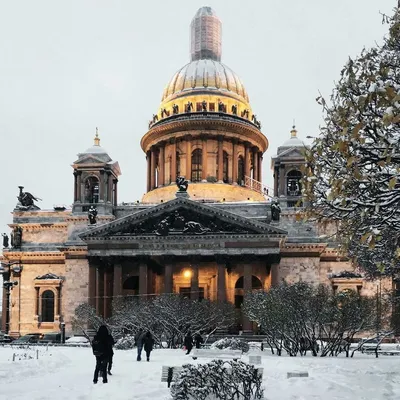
x: 211, y: 107
x: 240, y: 171
x: 92, y: 190
x: 294, y: 183
x: 196, y: 165
x: 225, y: 163
x: 48, y: 306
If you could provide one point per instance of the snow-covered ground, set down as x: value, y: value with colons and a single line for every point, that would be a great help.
x: 67, y: 373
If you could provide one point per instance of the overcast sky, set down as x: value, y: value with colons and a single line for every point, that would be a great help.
x: 69, y: 66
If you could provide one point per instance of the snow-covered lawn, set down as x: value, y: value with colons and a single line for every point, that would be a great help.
x: 67, y: 373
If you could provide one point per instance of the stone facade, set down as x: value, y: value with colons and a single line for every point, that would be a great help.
x: 217, y: 241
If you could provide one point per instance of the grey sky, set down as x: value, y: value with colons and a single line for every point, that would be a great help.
x: 69, y: 66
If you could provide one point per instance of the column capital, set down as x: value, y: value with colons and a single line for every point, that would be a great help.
x: 220, y: 138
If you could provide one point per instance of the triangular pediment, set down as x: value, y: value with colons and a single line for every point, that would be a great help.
x: 182, y: 217
x: 293, y: 152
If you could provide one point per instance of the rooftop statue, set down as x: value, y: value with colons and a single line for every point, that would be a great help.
x: 26, y: 201
x: 182, y: 184
x: 92, y: 215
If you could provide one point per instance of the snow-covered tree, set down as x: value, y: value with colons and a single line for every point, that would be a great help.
x: 167, y: 317
x: 302, y: 317
x: 353, y: 168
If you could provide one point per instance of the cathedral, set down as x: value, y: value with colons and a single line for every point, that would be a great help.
x: 207, y: 226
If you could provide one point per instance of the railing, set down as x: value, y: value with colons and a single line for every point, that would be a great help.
x: 258, y: 186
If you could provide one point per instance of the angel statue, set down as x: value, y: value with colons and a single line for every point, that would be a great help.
x: 26, y: 200
x: 92, y: 215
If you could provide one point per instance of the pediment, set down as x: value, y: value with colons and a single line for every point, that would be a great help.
x: 182, y: 217
x: 294, y: 152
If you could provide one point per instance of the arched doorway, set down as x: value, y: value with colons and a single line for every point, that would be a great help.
x: 92, y: 190
x: 256, y: 284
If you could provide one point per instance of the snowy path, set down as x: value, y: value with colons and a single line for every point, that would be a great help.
x: 67, y: 373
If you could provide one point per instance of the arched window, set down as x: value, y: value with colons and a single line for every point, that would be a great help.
x: 197, y: 156
x: 240, y: 171
x: 293, y: 180
x: 132, y: 283
x: 178, y: 164
x: 48, y: 306
x: 92, y: 190
x: 225, y: 163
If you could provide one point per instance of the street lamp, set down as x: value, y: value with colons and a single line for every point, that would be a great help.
x: 5, y: 270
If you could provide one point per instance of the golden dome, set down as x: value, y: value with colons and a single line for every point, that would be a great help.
x: 205, y: 77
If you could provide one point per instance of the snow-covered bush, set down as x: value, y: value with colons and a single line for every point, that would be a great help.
x: 231, y: 344
x: 125, y: 343
x: 218, y: 379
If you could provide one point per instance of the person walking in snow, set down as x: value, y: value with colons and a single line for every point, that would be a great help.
x: 198, y: 340
x: 111, y: 343
x: 101, y: 350
x: 188, y: 342
x: 139, y: 343
x: 148, y: 343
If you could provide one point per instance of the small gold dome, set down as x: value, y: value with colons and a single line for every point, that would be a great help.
x: 205, y: 77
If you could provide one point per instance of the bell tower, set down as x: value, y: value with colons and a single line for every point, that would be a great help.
x: 95, y: 180
x: 286, y: 166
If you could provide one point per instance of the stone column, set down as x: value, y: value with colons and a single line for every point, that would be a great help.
x: 204, y: 160
x: 220, y: 159
x: 117, y: 289
x: 247, y: 286
x: 108, y: 286
x: 75, y: 186
x: 109, y: 187
x: 275, y: 278
x: 282, y: 186
x: 99, y: 291
x: 102, y: 187
x: 276, y: 180
x: 143, y: 279
x: 173, y: 161
x: 189, y: 158
x: 153, y: 169
x: 37, y: 299
x: 194, y: 282
x: 255, y: 164
x: 115, y: 181
x: 79, y: 183
x: 92, y: 286
x: 221, y: 282
x: 148, y: 158
x: 161, y: 161
x: 168, y: 277
x: 235, y: 162
x: 260, y: 166
x: 246, y: 160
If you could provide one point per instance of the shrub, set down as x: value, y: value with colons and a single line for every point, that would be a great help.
x: 220, y: 379
x: 125, y: 343
x: 231, y: 344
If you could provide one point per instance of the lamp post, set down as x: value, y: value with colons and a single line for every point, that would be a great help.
x: 8, y: 285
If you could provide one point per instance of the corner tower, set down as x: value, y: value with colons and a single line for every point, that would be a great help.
x: 205, y: 129
x: 95, y: 180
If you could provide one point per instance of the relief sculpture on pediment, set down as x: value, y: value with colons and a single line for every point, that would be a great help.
x: 181, y: 222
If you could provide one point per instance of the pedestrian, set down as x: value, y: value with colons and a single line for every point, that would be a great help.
x: 139, y: 343
x: 148, y: 343
x: 101, y: 350
x: 188, y: 342
x: 111, y: 343
x: 198, y: 340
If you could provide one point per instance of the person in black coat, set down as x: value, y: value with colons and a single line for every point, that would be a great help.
x: 101, y: 350
x: 198, y: 340
x: 111, y: 343
x: 188, y: 342
x: 148, y: 343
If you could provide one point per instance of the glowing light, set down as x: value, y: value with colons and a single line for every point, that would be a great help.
x: 187, y: 273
